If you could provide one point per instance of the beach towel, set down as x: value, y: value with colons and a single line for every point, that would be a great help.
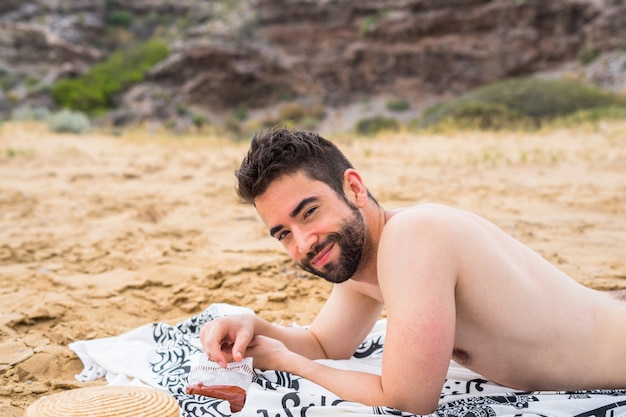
x: 159, y: 355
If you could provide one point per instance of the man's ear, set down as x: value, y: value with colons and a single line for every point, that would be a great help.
x: 354, y: 188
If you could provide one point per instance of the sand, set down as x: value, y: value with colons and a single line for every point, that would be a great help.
x: 100, y: 234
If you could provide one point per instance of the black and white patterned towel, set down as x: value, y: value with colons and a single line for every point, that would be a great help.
x: 159, y: 355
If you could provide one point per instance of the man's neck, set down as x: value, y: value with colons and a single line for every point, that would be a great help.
x: 375, y: 218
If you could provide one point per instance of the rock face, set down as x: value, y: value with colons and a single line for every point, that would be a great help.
x: 333, y: 52
x: 339, y: 51
x: 23, y: 46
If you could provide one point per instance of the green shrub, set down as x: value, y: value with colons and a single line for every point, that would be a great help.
x: 68, y: 121
x: 291, y: 111
x: 373, y: 125
x: 308, y: 123
x: 240, y: 114
x: 593, y: 115
x: 27, y: 113
x: 298, y: 116
x: 182, y: 109
x: 486, y: 116
x: 169, y: 124
x: 93, y: 92
x: 120, y: 18
x: 398, y: 105
x: 588, y: 54
x: 22, y: 113
x: 199, y: 120
x: 523, y: 99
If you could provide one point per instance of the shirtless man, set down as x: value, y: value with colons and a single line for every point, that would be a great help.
x: 454, y: 286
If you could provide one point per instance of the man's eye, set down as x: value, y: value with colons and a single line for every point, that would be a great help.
x: 309, y: 212
x: 282, y: 235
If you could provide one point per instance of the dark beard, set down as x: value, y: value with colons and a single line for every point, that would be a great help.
x: 351, y: 241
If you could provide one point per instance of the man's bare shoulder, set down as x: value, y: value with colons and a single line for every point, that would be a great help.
x: 419, y: 240
x: 430, y: 210
x: 446, y: 235
x: 429, y: 218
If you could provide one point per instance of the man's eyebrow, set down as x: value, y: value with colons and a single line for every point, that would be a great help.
x: 300, y: 206
x: 294, y: 213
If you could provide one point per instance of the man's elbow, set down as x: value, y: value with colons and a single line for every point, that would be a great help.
x: 422, y: 410
x: 410, y: 405
x: 341, y: 355
x: 332, y: 352
x: 418, y: 409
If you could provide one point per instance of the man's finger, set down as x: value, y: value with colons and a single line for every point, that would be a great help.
x: 241, y: 344
x: 211, y: 338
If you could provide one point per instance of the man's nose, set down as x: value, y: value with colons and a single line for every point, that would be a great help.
x: 305, y: 242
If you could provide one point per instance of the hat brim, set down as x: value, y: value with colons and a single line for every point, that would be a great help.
x: 106, y: 401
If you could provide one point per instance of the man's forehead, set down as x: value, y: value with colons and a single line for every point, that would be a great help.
x: 292, y: 182
x: 287, y: 192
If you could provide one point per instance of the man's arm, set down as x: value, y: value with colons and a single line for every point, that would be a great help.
x: 341, y: 325
x: 418, y: 267
x: 345, y: 320
x: 226, y: 339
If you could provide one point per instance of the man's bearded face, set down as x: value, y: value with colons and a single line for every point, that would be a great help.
x: 351, y: 242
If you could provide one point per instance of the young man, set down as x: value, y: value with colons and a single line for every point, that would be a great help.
x: 454, y: 286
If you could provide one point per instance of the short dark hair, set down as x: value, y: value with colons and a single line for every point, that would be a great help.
x: 280, y: 151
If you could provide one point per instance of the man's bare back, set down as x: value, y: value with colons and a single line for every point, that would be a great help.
x: 523, y: 323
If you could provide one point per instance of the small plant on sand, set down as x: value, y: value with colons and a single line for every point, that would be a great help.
x: 594, y: 115
x: 398, y: 105
x: 370, y: 126
x: 199, y: 121
x: 68, y: 121
x: 298, y: 116
x: 27, y: 113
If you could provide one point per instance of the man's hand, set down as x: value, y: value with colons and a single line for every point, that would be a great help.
x: 226, y: 339
x: 269, y: 353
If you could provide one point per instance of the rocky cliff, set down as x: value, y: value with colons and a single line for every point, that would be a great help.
x: 252, y: 54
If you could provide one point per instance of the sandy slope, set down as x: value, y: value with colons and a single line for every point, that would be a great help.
x: 101, y: 234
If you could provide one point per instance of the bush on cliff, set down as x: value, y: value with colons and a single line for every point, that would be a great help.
x: 371, y: 126
x: 92, y: 93
x: 520, y: 102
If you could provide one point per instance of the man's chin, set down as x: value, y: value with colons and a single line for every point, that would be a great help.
x: 336, y: 281
x: 326, y: 276
x: 333, y: 278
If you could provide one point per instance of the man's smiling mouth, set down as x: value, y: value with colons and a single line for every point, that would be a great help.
x: 322, y: 256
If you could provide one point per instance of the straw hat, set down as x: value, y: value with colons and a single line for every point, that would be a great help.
x: 106, y: 401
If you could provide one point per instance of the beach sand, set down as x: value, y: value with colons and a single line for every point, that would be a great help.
x: 100, y: 234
